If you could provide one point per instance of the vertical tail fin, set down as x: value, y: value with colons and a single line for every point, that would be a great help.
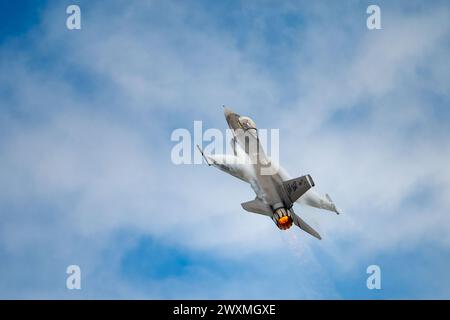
x: 295, y: 188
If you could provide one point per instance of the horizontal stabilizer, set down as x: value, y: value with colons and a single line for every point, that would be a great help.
x: 299, y: 222
x: 257, y: 206
x: 295, y: 188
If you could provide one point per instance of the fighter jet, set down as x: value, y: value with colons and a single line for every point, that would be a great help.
x: 276, y: 192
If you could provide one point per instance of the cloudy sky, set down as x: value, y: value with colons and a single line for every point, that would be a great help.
x: 86, y: 176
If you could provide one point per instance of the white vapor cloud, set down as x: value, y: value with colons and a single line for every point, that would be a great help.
x: 85, y: 145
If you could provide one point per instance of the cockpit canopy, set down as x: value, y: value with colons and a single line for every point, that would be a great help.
x: 247, y: 123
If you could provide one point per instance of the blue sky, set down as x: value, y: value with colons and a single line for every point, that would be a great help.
x: 85, y: 169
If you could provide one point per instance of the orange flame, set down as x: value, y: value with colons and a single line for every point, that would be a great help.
x: 285, y: 222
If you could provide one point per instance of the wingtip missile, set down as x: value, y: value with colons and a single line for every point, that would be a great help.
x: 335, y: 209
x: 203, y: 155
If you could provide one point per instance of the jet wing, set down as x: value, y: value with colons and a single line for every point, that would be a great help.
x: 229, y: 164
x: 299, y: 222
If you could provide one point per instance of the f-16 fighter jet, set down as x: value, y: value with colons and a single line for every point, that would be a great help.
x: 276, y: 192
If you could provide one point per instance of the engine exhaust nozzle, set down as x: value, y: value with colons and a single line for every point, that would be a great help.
x: 282, y: 218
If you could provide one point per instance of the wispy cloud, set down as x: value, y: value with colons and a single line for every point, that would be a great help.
x: 86, y: 172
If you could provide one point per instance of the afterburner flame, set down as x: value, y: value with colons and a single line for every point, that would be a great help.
x: 282, y: 218
x: 285, y: 222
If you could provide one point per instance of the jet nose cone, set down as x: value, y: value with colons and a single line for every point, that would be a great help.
x: 227, y: 111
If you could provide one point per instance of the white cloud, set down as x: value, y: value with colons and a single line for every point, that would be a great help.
x: 380, y: 162
x: 79, y: 168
